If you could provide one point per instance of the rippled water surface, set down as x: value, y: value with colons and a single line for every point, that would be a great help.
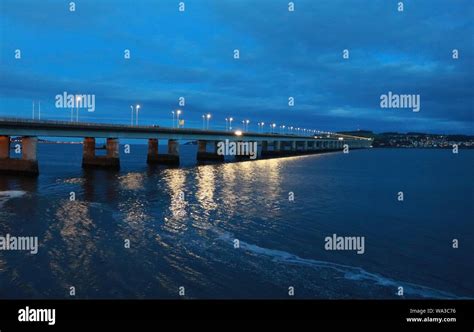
x: 189, y: 242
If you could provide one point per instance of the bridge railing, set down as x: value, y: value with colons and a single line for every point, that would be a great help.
x: 14, y: 120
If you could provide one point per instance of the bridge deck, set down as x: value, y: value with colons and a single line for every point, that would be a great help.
x: 25, y: 127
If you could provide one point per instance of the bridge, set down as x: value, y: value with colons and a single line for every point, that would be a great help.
x: 271, y: 144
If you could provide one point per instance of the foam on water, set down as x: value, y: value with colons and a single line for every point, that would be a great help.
x: 9, y: 194
x: 349, y: 272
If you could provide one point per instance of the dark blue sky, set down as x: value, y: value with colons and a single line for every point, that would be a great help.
x: 282, y: 54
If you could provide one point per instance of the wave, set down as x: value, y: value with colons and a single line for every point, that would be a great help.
x: 349, y: 272
x: 9, y: 194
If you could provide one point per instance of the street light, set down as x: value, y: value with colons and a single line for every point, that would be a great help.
x: 203, y: 121
x: 230, y: 123
x: 247, y: 123
x: 78, y: 99
x: 208, y: 116
x: 178, y: 112
x: 137, y: 108
x: 273, y: 125
x: 226, y: 125
x: 172, y: 112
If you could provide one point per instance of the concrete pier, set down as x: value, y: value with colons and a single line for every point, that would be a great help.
x: 171, y: 158
x: 204, y: 156
x: 27, y: 164
x: 111, y: 160
x: 4, y: 147
x: 152, y: 155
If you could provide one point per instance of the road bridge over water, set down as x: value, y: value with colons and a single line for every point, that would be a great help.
x: 272, y: 144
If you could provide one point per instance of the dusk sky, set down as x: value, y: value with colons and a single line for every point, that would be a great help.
x: 282, y: 54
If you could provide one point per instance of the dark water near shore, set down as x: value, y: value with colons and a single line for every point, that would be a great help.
x: 189, y: 242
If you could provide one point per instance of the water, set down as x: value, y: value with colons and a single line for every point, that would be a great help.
x: 190, y: 242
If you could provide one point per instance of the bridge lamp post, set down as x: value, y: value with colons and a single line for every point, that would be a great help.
x: 208, y: 117
x: 247, y: 124
x: 258, y: 124
x: 78, y: 99
x: 262, y: 124
x: 131, y: 116
x: 137, y: 108
x: 203, y: 122
x: 172, y: 112
x: 178, y: 112
x: 273, y: 127
x: 226, y: 124
x: 230, y: 123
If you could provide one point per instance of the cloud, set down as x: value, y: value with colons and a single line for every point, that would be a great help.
x: 282, y: 54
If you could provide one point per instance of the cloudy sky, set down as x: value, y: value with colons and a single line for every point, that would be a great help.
x: 282, y: 54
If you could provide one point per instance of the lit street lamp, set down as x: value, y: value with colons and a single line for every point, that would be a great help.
x: 230, y: 123
x: 178, y: 112
x: 273, y: 125
x: 78, y: 99
x: 226, y: 124
x: 137, y: 108
x: 131, y: 116
x: 203, y: 121
x: 208, y: 117
x: 172, y: 112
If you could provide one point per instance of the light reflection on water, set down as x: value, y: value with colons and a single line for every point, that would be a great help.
x: 177, y: 242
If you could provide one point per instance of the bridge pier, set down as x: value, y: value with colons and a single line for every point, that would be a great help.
x: 111, y: 160
x: 4, y: 147
x: 293, y: 148
x: 170, y: 158
x: 204, y: 156
x: 27, y: 165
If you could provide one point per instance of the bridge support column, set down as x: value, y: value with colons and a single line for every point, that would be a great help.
x: 111, y: 160
x: 265, y: 151
x: 171, y: 158
x: 152, y: 155
x: 204, y: 156
x: 276, y: 146
x: 305, y: 147
x: 27, y: 165
x: 293, y: 148
x: 4, y: 147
